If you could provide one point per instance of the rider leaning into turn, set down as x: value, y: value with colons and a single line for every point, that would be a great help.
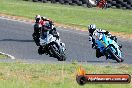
x: 93, y: 31
x: 39, y: 22
x: 37, y: 25
x: 42, y: 24
x: 48, y: 27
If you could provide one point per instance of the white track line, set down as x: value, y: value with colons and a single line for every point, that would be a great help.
x: 16, y: 20
x: 10, y: 19
x: 12, y: 57
x: 29, y: 22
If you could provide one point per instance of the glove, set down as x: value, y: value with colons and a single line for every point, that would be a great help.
x: 106, y: 33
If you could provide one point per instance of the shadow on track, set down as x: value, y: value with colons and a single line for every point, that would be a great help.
x: 92, y: 61
x: 99, y: 61
x: 17, y: 40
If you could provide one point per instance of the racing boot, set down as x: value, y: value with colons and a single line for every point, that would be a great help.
x: 40, y: 50
x: 120, y: 47
x: 98, y: 53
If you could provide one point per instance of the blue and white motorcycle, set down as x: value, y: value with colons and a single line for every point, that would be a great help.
x: 109, y: 48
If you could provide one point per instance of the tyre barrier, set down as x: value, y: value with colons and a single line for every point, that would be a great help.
x: 121, y: 4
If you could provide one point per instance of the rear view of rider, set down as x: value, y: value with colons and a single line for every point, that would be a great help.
x: 93, y: 31
x: 41, y: 23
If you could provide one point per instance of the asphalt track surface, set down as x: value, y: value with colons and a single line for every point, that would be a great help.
x: 16, y: 39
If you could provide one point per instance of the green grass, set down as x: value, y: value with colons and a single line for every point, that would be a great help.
x: 116, y: 20
x: 3, y: 56
x: 24, y: 75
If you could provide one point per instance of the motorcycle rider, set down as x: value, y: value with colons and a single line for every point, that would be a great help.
x: 37, y: 25
x: 37, y: 28
x: 47, y: 27
x: 93, y: 31
x: 41, y: 22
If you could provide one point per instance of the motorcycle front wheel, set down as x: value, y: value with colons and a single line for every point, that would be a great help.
x: 56, y: 52
x: 115, y: 56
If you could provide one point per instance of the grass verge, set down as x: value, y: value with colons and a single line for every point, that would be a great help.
x: 3, y: 56
x: 24, y: 75
x: 116, y: 20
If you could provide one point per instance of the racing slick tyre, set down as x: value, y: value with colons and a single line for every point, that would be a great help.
x: 114, y: 56
x: 56, y: 52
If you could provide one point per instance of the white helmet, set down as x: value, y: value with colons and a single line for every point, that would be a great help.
x: 92, y: 28
x: 37, y: 17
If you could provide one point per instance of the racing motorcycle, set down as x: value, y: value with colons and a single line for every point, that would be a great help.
x: 109, y: 48
x: 36, y: 34
x: 52, y: 46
